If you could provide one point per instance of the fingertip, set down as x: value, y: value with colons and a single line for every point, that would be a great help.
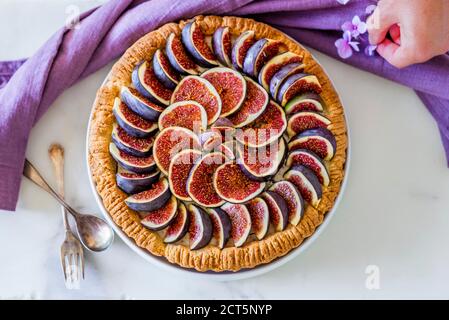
x: 392, y: 53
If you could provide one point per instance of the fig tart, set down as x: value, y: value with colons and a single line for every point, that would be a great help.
x: 218, y: 143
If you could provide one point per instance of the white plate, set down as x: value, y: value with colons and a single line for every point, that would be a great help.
x: 162, y: 263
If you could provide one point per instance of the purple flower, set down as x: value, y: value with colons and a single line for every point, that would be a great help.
x: 345, y: 45
x: 356, y: 27
x: 370, y: 50
x: 370, y: 9
x: 343, y: 2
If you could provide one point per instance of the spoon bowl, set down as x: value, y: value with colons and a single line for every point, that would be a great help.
x: 94, y: 233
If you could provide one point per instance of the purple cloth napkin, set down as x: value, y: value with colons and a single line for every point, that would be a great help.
x: 107, y: 31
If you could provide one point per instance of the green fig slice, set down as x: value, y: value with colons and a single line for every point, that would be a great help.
x: 240, y: 222
x: 253, y: 106
x: 132, y: 123
x: 230, y: 85
x: 178, y: 57
x: 297, y: 84
x: 179, y: 170
x: 187, y: 114
x: 160, y: 218
x: 145, y: 81
x: 306, y: 120
x: 267, y: 128
x: 310, y: 160
x: 171, y: 141
x: 151, y: 199
x: 194, y: 88
x: 274, y: 65
x: 308, y: 101
x: 179, y: 226
x: 232, y: 185
x: 292, y: 197
x: 260, y: 217
x: 200, y: 186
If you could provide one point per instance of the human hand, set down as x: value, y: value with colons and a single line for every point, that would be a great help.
x: 418, y: 30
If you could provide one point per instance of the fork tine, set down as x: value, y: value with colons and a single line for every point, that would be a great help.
x: 82, y: 264
x: 64, y: 265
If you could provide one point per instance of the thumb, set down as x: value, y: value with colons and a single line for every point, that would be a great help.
x: 379, y: 23
x: 395, y: 54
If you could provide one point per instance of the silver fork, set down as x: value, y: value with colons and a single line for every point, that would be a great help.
x: 72, y: 256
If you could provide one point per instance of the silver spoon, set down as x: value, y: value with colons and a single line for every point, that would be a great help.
x: 94, y: 233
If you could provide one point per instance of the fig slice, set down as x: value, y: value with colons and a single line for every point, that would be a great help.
x: 240, y: 222
x: 132, y: 123
x: 227, y: 148
x: 274, y: 65
x: 232, y: 185
x: 160, y: 218
x: 171, y: 141
x: 306, y: 120
x: 225, y: 127
x: 267, y: 128
x: 278, y: 209
x: 200, y: 228
x: 178, y: 57
x: 259, y: 53
x: 131, y: 182
x: 195, y: 42
x: 241, y: 47
x: 253, y: 106
x: 163, y: 70
x: 139, y: 104
x: 138, y: 147
x: 146, y: 82
x: 179, y: 170
x: 280, y: 76
x: 186, y: 114
x: 151, y: 199
x: 307, y: 183
x: 261, y: 163
x: 221, y: 226
x: 310, y: 160
x: 309, y: 101
x: 132, y: 163
x: 210, y: 140
x: 194, y: 88
x: 320, y: 141
x: 221, y: 42
x: 200, y: 186
x: 179, y: 226
x: 260, y: 217
x: 297, y: 84
x: 292, y: 197
x: 230, y: 85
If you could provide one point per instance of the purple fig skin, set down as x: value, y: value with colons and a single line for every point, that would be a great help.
x: 281, y: 204
x: 311, y: 177
x: 275, y: 62
x: 138, y: 84
x: 182, y: 214
x: 290, y: 107
x: 172, y: 58
x: 201, y: 217
x: 161, y: 74
x: 150, y: 204
x: 249, y: 66
x: 300, y: 204
x: 321, y: 132
x: 224, y: 222
x: 125, y: 148
x: 135, y: 185
x: 285, y: 86
x: 218, y: 46
x: 189, y: 45
x: 139, y: 107
x: 281, y: 75
x: 172, y: 201
x: 115, y: 153
x: 323, y: 174
x: 131, y: 130
x: 245, y: 37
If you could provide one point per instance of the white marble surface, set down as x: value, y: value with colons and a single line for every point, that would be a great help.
x: 395, y: 213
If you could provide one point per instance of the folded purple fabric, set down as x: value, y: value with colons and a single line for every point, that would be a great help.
x: 107, y: 31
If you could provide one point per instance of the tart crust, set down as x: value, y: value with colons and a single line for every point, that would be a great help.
x: 103, y: 167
